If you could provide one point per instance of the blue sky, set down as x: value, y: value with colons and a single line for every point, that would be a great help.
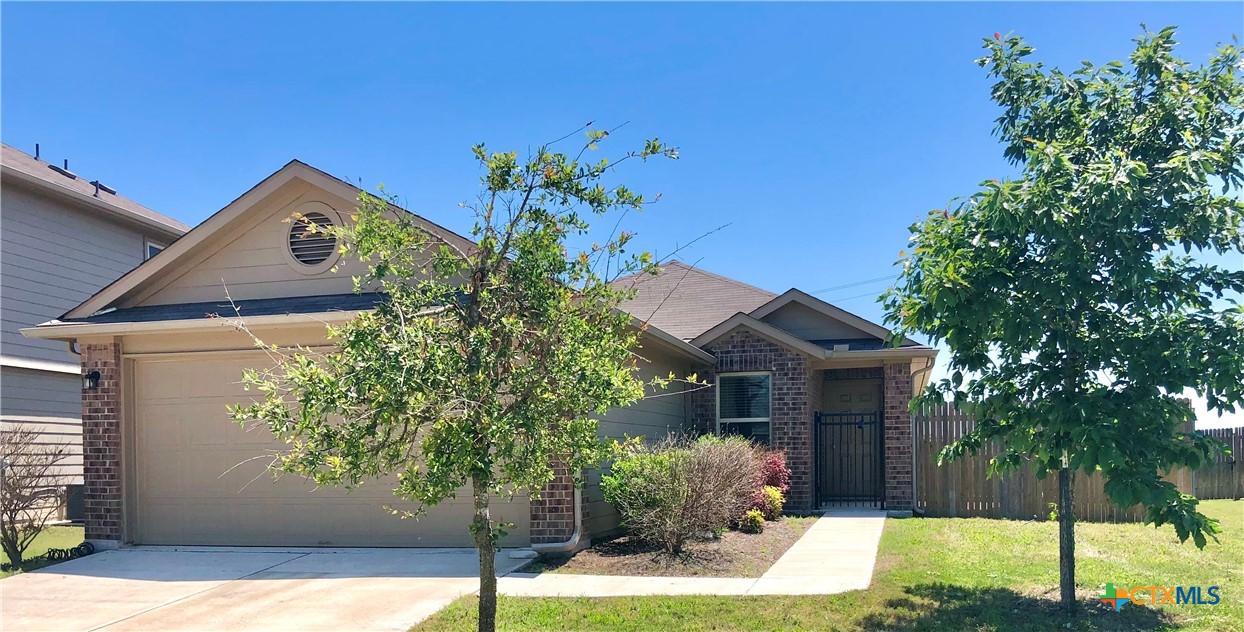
x: 818, y: 132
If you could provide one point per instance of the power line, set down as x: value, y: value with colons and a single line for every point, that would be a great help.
x: 855, y: 284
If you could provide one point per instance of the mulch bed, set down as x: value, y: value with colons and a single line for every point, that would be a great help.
x: 735, y: 554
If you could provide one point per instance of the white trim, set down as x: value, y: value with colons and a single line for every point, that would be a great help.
x: 46, y: 366
x: 147, y: 245
x: 37, y: 419
x: 744, y: 420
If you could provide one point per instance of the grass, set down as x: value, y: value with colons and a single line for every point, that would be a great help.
x: 51, y: 538
x: 943, y: 574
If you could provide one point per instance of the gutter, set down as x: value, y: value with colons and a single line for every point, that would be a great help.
x: 61, y: 330
x: 572, y: 543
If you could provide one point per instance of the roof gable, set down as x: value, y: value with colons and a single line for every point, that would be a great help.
x: 243, y: 247
x: 810, y: 318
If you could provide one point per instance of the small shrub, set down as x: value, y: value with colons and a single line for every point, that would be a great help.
x: 677, y: 490
x: 774, y: 471
x: 768, y: 500
x: 753, y: 522
x: 31, y: 495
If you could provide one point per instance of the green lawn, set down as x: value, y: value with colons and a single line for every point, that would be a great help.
x: 943, y: 574
x: 51, y: 538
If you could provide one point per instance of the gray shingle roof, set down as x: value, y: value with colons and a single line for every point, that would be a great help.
x: 687, y: 301
x: 17, y: 160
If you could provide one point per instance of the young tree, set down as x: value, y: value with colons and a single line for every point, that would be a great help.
x: 483, y: 366
x: 31, y: 479
x: 1075, y: 313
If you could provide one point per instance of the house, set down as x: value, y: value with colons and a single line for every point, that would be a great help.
x: 165, y: 464
x: 62, y: 238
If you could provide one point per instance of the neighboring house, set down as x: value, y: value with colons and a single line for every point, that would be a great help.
x: 62, y: 238
x: 171, y: 467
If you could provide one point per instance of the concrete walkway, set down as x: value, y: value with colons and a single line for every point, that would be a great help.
x: 835, y: 555
x: 242, y: 588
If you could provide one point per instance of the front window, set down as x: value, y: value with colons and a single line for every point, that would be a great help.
x: 743, y: 401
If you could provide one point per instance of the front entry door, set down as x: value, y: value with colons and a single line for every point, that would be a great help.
x: 849, y: 442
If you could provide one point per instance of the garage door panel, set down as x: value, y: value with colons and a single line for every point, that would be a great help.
x: 199, y: 481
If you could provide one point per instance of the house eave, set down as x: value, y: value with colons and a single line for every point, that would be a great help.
x: 162, y: 229
x: 70, y: 331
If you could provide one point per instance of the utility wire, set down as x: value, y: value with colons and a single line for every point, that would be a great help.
x: 888, y: 277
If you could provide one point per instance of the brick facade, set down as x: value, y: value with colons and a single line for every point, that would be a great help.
x: 552, y: 515
x: 790, y: 413
x: 899, y: 489
x: 101, y: 444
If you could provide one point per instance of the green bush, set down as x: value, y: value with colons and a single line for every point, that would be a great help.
x: 753, y: 522
x: 677, y: 490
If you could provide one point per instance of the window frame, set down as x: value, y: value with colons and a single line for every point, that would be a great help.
x: 744, y: 420
x: 148, y: 243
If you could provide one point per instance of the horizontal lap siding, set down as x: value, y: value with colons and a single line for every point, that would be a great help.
x: 49, y: 403
x: 253, y: 261
x: 54, y: 256
x: 653, y: 418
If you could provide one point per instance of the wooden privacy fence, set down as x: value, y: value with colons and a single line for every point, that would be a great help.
x: 1224, y: 476
x: 962, y: 489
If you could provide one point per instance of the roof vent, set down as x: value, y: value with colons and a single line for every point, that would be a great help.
x: 311, y: 247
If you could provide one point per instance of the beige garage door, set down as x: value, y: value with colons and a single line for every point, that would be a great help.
x: 201, y: 477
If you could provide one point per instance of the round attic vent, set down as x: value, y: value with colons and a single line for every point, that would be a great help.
x: 311, y: 248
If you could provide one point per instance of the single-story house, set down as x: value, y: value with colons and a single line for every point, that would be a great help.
x: 164, y: 464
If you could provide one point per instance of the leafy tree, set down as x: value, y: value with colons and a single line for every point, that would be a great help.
x: 1074, y: 308
x: 484, y: 365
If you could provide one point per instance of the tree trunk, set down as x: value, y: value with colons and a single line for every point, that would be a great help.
x: 1066, y: 540
x: 481, y: 528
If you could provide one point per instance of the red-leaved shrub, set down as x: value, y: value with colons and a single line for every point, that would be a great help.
x: 774, y: 472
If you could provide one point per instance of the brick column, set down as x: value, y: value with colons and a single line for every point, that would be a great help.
x: 899, y: 487
x: 552, y: 515
x: 101, y: 445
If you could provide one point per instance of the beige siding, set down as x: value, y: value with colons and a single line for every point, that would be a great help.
x: 660, y: 413
x: 809, y: 324
x: 253, y: 261
x: 53, y: 256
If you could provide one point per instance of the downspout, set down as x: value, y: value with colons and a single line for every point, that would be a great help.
x: 914, y: 378
x: 572, y: 543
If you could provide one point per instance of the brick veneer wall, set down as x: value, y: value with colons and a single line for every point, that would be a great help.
x: 552, y: 515
x: 101, y: 444
x: 899, y: 489
x: 791, y: 412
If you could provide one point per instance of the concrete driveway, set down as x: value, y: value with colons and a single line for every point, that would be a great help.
x: 216, y: 588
